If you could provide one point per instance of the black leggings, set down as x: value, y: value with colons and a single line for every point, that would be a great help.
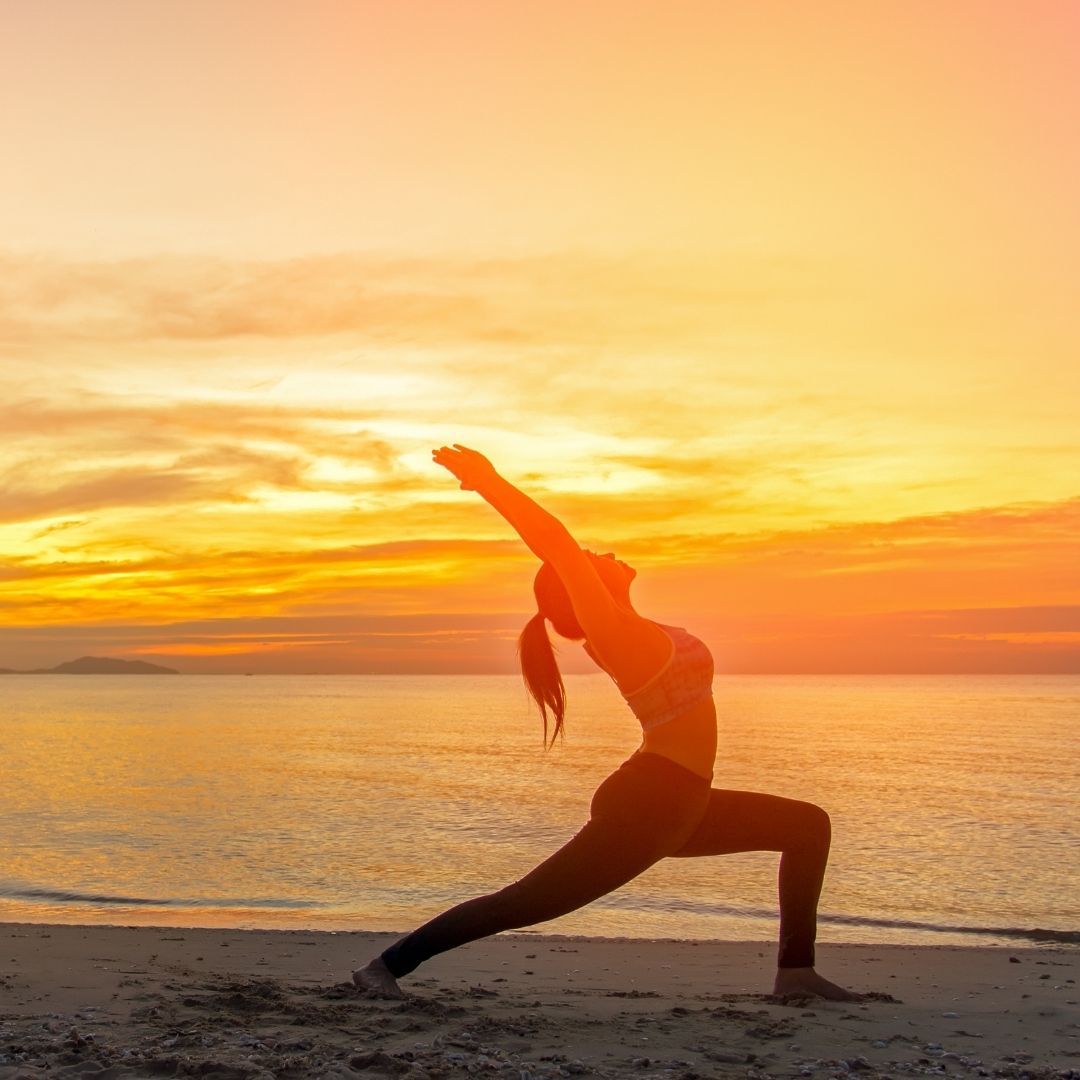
x: 650, y: 808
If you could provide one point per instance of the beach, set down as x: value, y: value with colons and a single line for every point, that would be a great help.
x: 103, y: 1002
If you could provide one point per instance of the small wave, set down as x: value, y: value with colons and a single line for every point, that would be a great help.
x: 1021, y: 933
x: 1025, y: 933
x: 69, y: 896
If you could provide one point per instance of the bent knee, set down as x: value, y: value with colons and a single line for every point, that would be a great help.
x: 816, y: 825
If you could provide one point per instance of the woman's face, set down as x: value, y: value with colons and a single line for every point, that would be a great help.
x: 616, y: 574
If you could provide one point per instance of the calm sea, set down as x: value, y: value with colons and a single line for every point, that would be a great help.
x: 374, y: 802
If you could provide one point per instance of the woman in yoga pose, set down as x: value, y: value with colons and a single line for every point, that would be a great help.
x: 659, y: 803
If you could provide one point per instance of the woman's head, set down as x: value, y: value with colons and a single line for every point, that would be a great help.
x: 553, y: 603
x: 616, y: 574
x: 536, y: 654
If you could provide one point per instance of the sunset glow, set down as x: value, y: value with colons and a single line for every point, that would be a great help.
x: 777, y: 302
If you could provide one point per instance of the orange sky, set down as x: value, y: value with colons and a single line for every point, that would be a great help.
x: 775, y: 300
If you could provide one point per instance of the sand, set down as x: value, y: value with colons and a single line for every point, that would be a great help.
x: 103, y: 1002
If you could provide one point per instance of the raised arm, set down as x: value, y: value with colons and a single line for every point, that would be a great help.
x: 608, y: 626
x: 631, y: 648
x: 544, y: 534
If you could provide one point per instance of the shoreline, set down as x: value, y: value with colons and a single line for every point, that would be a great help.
x: 122, y: 1001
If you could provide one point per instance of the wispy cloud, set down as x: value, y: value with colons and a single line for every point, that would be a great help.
x: 1017, y: 640
x: 1026, y: 640
x: 565, y: 299
x: 834, y: 598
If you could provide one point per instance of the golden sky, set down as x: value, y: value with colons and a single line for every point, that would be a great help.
x: 777, y: 301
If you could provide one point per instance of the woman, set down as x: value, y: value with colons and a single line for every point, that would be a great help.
x: 659, y: 803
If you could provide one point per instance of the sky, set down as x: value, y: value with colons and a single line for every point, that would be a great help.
x: 775, y: 301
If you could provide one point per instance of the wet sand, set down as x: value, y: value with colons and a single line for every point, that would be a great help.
x: 104, y: 1002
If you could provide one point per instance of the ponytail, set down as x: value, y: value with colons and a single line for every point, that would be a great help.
x: 541, y: 674
x: 537, y: 657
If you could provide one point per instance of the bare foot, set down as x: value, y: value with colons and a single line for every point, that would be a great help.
x: 808, y: 981
x: 377, y: 980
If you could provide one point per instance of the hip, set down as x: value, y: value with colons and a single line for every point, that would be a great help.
x: 652, y: 792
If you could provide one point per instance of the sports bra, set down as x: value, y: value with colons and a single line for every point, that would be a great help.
x: 683, y: 682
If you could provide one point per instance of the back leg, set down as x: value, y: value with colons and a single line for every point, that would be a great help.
x: 598, y: 860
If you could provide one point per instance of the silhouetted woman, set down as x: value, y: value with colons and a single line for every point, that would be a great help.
x: 659, y: 802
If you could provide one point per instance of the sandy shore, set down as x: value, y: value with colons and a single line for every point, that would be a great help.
x: 105, y: 1002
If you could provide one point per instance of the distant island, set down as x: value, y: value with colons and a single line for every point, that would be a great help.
x: 98, y: 665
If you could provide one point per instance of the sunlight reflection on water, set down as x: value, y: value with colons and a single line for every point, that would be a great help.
x: 375, y: 801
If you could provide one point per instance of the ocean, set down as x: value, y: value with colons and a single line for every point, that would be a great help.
x: 374, y: 802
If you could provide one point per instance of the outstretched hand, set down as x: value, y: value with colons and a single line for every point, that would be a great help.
x: 469, y: 466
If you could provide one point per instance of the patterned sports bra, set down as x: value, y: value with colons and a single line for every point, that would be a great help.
x: 683, y: 682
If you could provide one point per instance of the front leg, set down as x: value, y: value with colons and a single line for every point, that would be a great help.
x: 806, y: 980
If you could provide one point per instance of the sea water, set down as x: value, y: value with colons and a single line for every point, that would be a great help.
x: 374, y: 802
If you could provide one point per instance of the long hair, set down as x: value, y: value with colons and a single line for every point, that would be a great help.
x: 536, y: 654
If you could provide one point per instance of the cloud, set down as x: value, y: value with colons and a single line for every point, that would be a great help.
x: 102, y: 455
x: 563, y: 298
x: 741, y: 385
x: 1027, y: 640
x: 129, y: 487
x: 991, y: 590
x: 990, y: 641
x: 64, y: 459
x: 447, y: 643
x: 190, y: 436
x: 196, y: 299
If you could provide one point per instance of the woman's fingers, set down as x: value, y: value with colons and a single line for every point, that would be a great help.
x: 445, y: 456
x: 459, y: 459
x: 449, y: 459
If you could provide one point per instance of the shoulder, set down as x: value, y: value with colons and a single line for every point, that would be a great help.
x: 637, y: 655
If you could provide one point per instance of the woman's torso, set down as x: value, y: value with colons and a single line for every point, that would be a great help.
x: 690, y: 740
x: 674, y: 702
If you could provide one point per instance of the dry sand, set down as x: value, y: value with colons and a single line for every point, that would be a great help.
x: 103, y: 1002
